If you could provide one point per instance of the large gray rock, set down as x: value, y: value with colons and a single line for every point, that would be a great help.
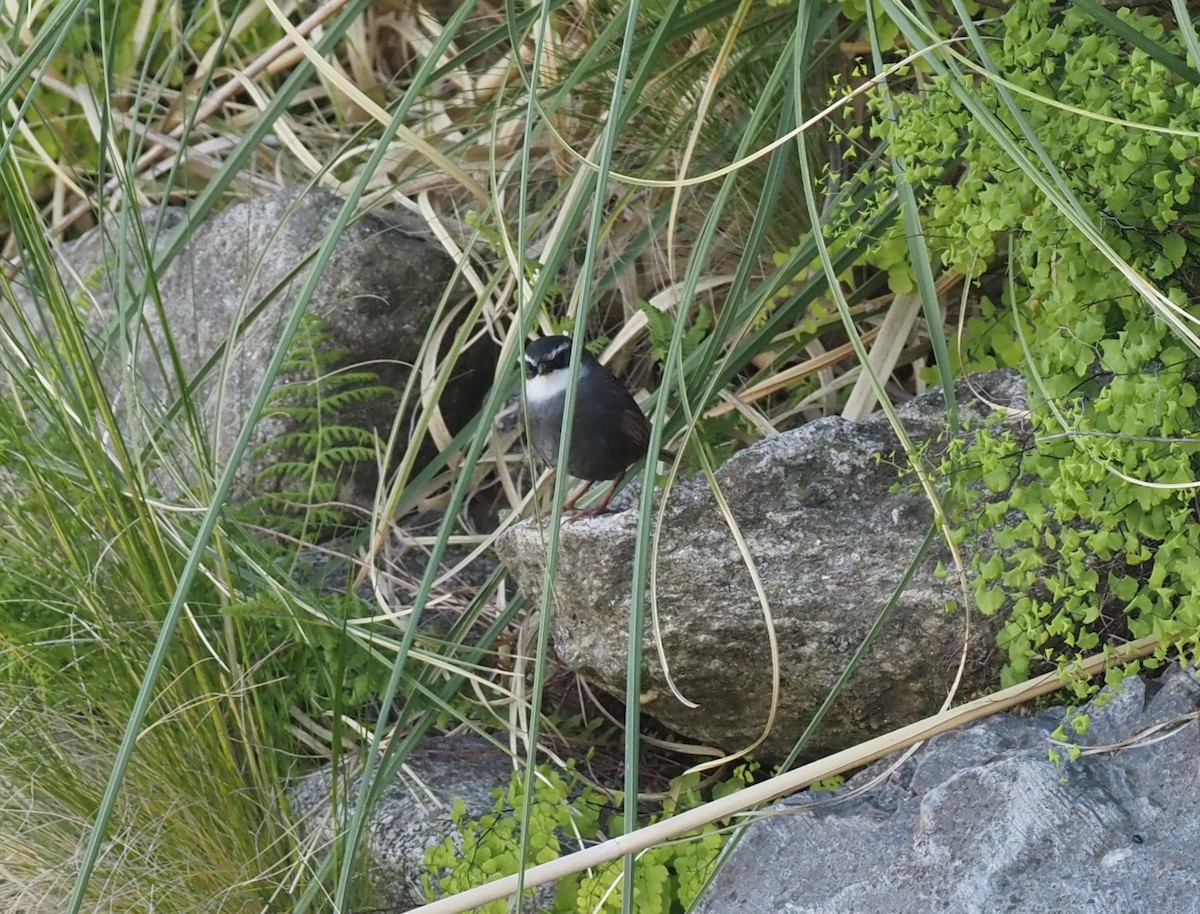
x: 981, y: 821
x: 414, y: 814
x: 831, y: 535
x: 244, y: 267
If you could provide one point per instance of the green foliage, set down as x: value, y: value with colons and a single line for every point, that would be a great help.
x: 489, y: 847
x: 1136, y: 179
x: 830, y: 784
x: 315, y: 662
x: 117, y: 40
x: 944, y: 17
x: 86, y: 572
x: 719, y: 436
x: 1086, y: 539
x: 315, y: 456
x: 669, y: 877
x: 662, y: 329
x: 73, y: 605
x: 492, y: 239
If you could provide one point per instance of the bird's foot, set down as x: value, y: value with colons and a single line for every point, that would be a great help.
x: 575, y: 514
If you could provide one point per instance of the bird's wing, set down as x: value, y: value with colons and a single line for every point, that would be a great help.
x: 634, y: 424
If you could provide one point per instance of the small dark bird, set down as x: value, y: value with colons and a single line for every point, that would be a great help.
x: 609, y: 432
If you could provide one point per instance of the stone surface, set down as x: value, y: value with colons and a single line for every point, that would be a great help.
x: 243, y: 268
x: 831, y: 536
x: 980, y: 821
x: 414, y: 813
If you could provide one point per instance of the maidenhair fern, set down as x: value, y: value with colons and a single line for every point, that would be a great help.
x: 1093, y: 535
x: 669, y: 878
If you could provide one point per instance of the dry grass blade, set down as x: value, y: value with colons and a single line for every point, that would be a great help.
x: 366, y: 104
x: 587, y: 161
x: 1148, y: 737
x: 787, y: 378
x: 885, y: 353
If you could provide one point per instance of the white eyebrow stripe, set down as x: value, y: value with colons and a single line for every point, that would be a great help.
x: 558, y: 350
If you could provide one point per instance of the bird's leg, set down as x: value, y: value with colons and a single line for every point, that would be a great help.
x: 569, y: 504
x: 601, y: 508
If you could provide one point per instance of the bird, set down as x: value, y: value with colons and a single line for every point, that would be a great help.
x: 609, y: 432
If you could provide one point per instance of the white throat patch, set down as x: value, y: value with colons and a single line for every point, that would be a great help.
x: 544, y: 387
